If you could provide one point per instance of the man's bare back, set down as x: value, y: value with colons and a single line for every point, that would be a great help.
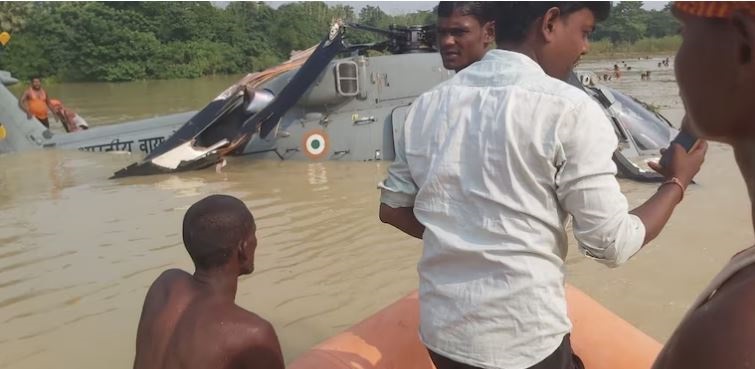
x: 191, y: 321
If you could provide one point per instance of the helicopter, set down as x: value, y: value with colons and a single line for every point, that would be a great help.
x: 335, y: 102
x: 349, y: 108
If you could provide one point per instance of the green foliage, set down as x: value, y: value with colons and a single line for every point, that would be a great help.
x: 13, y: 15
x: 123, y: 41
x: 629, y: 23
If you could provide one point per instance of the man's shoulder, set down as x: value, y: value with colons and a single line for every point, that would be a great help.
x: 555, y: 88
x: 250, y: 329
x: 250, y: 321
x: 720, y: 333
x: 170, y: 275
x: 168, y: 279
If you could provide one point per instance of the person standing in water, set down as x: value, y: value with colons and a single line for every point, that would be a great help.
x: 719, y: 329
x: 191, y: 321
x: 35, y: 102
x: 70, y: 120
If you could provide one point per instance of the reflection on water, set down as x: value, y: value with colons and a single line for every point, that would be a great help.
x: 78, y: 251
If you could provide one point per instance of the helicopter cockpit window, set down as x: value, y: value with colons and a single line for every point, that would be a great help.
x: 347, y: 82
x: 649, y: 130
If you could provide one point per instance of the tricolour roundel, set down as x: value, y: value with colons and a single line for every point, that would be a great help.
x: 315, y: 144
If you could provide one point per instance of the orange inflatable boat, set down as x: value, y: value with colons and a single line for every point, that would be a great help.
x: 389, y: 340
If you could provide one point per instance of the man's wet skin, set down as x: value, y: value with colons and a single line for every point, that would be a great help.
x: 191, y: 321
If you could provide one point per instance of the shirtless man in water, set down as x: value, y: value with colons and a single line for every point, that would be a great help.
x: 191, y: 321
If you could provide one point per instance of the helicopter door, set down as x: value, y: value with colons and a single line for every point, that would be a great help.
x: 390, y: 129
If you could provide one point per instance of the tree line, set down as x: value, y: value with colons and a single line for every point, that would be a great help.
x: 124, y: 41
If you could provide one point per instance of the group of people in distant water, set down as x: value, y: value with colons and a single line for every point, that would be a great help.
x: 36, y: 103
x: 616, y: 73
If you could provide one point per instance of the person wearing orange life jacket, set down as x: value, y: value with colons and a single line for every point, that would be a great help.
x: 71, y: 121
x: 35, y: 102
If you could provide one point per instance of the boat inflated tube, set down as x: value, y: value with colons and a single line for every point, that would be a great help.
x: 389, y: 340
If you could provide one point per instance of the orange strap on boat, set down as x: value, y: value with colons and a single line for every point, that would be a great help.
x: 715, y: 9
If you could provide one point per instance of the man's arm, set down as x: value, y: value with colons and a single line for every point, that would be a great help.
x: 656, y: 211
x: 398, y: 190
x: 22, y: 103
x: 403, y: 219
x: 47, y: 102
x: 587, y: 188
x: 152, y: 301
x: 683, y: 165
x: 263, y: 351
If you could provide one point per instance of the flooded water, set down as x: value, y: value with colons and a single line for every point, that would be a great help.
x: 106, y: 103
x: 78, y: 251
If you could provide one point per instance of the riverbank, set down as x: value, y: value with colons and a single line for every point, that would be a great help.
x: 645, y: 47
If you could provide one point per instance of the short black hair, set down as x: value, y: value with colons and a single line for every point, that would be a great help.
x: 513, y: 19
x: 483, y: 11
x: 35, y: 77
x: 213, y: 228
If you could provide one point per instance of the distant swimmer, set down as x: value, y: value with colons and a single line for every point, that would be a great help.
x: 191, y: 321
x: 34, y: 102
x: 71, y: 121
x: 616, y: 71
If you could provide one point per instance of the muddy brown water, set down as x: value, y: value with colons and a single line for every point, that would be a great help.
x: 78, y: 251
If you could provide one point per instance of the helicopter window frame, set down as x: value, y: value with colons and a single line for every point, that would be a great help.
x: 341, y: 78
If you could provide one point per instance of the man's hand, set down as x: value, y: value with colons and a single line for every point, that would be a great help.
x: 403, y: 219
x: 683, y: 165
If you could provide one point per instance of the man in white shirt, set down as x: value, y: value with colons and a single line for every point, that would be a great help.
x: 489, y: 166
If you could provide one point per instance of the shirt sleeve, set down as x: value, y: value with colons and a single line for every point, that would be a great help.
x: 398, y: 190
x: 587, y: 188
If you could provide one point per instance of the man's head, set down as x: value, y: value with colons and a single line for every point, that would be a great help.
x: 56, y: 106
x: 465, y: 31
x: 36, y: 83
x: 218, y: 231
x: 715, y: 67
x: 554, y: 33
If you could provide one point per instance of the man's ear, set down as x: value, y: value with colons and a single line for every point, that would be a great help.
x: 241, y: 251
x: 549, y: 24
x: 488, y: 32
x: 744, y: 28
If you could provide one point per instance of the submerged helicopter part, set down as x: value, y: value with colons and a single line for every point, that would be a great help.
x: 194, y: 141
x: 259, y: 99
x: 349, y: 109
x: 642, y: 133
x: 6, y: 79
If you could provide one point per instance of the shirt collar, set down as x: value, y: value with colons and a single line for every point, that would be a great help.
x: 512, y: 57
